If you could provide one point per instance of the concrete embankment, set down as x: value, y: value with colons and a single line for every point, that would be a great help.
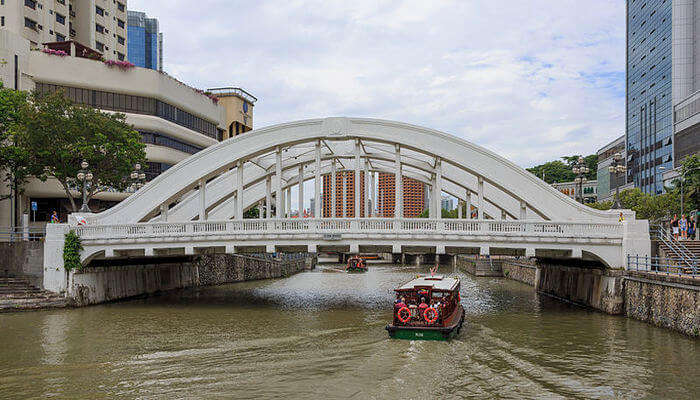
x: 94, y: 285
x: 479, y: 267
x: 668, y: 301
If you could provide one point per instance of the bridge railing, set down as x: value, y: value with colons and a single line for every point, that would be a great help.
x: 350, y: 225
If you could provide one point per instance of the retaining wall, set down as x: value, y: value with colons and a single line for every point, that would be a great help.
x: 480, y: 267
x: 23, y: 259
x: 664, y: 300
x: 95, y: 285
x: 520, y: 271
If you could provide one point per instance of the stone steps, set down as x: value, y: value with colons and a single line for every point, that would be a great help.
x: 17, y: 294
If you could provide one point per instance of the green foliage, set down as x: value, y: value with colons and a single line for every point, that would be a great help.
x: 251, y: 213
x: 14, y: 154
x: 61, y: 135
x: 71, y: 251
x: 690, y: 174
x: 647, y: 206
x: 560, y: 171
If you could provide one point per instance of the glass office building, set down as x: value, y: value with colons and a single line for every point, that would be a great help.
x: 649, y: 124
x: 145, y: 43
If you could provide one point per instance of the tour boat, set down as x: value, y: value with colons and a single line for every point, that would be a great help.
x: 430, y: 309
x: 356, y: 264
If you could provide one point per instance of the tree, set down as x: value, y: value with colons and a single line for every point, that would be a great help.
x: 646, y: 206
x: 560, y: 171
x: 61, y: 135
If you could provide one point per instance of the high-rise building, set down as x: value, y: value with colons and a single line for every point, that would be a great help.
x: 447, y: 203
x: 98, y: 24
x: 145, y: 41
x: 413, y: 196
x: 663, y: 88
x: 609, y: 182
x: 344, y: 197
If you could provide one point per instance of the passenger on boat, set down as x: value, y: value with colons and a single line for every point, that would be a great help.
x: 423, y: 305
x: 400, y: 303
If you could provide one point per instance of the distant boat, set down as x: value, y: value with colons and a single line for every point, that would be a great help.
x: 356, y: 264
x: 430, y: 310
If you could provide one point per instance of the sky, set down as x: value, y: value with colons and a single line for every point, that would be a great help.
x: 530, y: 80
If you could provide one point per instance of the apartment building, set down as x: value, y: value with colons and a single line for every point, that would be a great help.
x: 414, y: 196
x: 174, y: 119
x: 344, y: 196
x: 98, y: 24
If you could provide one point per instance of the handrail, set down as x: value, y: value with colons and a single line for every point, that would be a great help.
x: 676, y: 247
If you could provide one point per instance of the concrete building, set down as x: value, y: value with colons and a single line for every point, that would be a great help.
x: 571, y: 189
x: 175, y: 120
x: 663, y: 88
x: 145, y: 41
x: 447, y: 203
x: 609, y: 182
x: 98, y: 24
x: 239, y: 109
x: 414, y: 196
x: 344, y: 197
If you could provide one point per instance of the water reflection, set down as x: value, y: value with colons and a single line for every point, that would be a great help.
x: 321, y: 334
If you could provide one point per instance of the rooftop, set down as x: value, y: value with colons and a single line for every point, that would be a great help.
x: 437, y: 282
x: 233, y: 91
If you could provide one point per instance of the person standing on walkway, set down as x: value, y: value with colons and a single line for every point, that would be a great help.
x: 674, y: 226
x: 691, y: 229
x: 683, y: 227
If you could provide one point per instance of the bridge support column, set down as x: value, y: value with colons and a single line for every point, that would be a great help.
x: 484, y: 251
x: 437, y: 189
x: 268, y: 197
x: 523, y: 210
x: 356, y: 207
x: 354, y: 248
x: 109, y: 253
x: 230, y: 249
x: 269, y: 248
x: 333, y: 195
x: 529, y: 252
x: 374, y: 205
x: 148, y: 252
x: 301, y: 191
x: 202, y: 200
x: 239, y: 190
x: 312, y: 248
x: 468, y: 206
x: 278, y: 193
x: 288, y: 198
x: 189, y: 250
x: 480, y: 200
x: 317, y: 183
x: 440, y: 249
x: 365, y: 192
x: 398, y: 183
x: 164, y: 212
x: 396, y: 248
x: 576, y: 252
x: 459, y: 209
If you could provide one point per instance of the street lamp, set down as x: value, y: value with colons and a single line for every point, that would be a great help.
x: 137, y: 177
x: 580, y: 169
x: 617, y: 167
x: 85, y: 177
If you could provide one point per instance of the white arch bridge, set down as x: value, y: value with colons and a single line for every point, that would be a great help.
x: 198, y: 205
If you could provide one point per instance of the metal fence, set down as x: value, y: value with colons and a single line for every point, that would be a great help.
x: 661, y: 265
x: 19, y: 234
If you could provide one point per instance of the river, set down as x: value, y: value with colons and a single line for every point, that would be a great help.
x: 320, y: 334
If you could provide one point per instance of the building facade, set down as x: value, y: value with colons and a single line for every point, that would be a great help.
x: 238, y: 105
x: 609, y: 182
x: 174, y: 120
x: 98, y: 24
x: 344, y: 196
x: 571, y: 189
x: 414, y: 196
x: 145, y: 41
x: 447, y: 203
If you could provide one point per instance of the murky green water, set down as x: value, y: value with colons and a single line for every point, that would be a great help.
x: 321, y: 334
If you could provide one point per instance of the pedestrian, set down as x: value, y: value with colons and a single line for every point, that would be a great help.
x: 683, y: 227
x: 674, y: 226
x: 54, y: 217
x: 621, y: 218
x: 691, y: 229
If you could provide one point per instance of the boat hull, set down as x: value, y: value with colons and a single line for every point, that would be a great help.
x: 426, y: 333
x: 353, y: 269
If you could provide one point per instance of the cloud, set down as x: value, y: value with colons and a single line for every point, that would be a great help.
x: 529, y: 80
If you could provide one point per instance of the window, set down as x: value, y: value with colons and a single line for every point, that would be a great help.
x: 99, y: 11
x: 120, y: 23
x: 30, y: 3
x: 99, y: 46
x: 29, y: 23
x: 61, y: 19
x: 60, y: 38
x: 99, y: 28
x: 120, y: 40
x: 121, y: 7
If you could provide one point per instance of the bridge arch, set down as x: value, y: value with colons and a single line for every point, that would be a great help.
x: 462, y: 166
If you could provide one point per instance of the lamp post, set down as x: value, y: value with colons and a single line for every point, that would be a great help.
x: 580, y: 169
x: 137, y: 177
x: 617, y: 167
x: 85, y: 177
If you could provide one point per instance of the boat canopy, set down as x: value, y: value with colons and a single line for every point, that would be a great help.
x: 437, y: 282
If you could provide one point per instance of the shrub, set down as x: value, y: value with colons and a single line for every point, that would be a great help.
x: 71, y: 251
